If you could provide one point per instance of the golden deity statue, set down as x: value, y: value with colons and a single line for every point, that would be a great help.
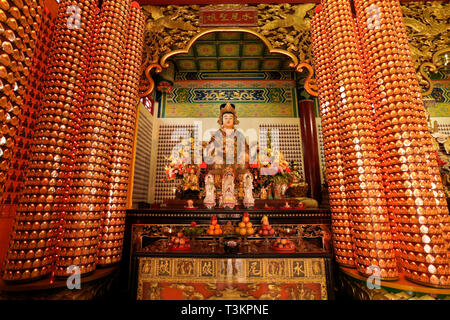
x: 191, y: 182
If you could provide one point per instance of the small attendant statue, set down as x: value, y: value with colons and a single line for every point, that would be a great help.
x: 210, y: 189
x: 229, y: 199
x: 249, y: 201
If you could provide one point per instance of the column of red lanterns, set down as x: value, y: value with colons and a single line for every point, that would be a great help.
x: 32, y: 244
x: 67, y: 242
x: 378, y: 123
x: 89, y: 191
x: 32, y: 95
x: 417, y: 201
x: 364, y: 190
x: 20, y: 24
x: 113, y: 218
x: 341, y: 222
x: 442, y: 208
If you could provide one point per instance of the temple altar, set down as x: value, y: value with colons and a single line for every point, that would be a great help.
x: 150, y: 270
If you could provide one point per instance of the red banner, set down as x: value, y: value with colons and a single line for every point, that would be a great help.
x: 229, y: 17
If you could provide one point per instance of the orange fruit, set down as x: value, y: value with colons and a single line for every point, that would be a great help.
x: 217, y: 231
x: 241, y: 224
x: 211, y: 227
x: 249, y: 225
x: 210, y: 231
x: 243, y: 231
x: 217, y: 226
x: 237, y: 230
x: 250, y: 231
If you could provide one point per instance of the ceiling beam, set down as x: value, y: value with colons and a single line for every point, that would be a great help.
x: 187, y: 2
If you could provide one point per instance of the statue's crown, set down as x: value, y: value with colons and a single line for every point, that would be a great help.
x: 228, y: 108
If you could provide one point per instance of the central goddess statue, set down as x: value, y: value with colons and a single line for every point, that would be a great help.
x: 227, y: 151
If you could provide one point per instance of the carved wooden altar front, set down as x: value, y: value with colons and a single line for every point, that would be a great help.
x: 150, y: 271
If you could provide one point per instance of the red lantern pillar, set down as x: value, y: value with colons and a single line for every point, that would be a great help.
x: 32, y: 249
x: 91, y: 176
x: 362, y: 172
x: 417, y: 201
x: 113, y: 218
x: 341, y: 222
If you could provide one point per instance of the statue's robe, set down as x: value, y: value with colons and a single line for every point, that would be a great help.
x: 227, y: 151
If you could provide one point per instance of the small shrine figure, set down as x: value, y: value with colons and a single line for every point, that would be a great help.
x: 241, y: 193
x: 277, y: 191
x: 249, y: 201
x: 210, y: 189
x: 263, y: 195
x: 190, y: 204
x: 228, y: 193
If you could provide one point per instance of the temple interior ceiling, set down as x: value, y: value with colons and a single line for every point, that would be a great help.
x: 230, y: 52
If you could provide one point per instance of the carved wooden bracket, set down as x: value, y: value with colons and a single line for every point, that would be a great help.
x: 145, y: 91
x: 311, y: 88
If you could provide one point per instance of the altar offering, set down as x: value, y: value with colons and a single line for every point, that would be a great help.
x: 231, y: 245
x: 193, y: 230
x: 179, y: 243
x: 245, y: 227
x: 214, y: 228
x: 284, y: 245
x: 266, y: 229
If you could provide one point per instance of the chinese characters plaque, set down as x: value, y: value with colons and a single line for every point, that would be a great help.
x: 229, y: 17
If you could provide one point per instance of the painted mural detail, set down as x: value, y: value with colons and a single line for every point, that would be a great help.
x: 266, y: 75
x: 254, y: 98
x: 438, y: 102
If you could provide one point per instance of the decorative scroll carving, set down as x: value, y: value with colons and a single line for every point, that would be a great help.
x: 310, y: 87
x: 286, y: 27
x: 427, y: 26
x: 172, y: 27
x: 145, y: 91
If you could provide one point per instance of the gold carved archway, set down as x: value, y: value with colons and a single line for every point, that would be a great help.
x: 286, y: 27
x: 294, y: 64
